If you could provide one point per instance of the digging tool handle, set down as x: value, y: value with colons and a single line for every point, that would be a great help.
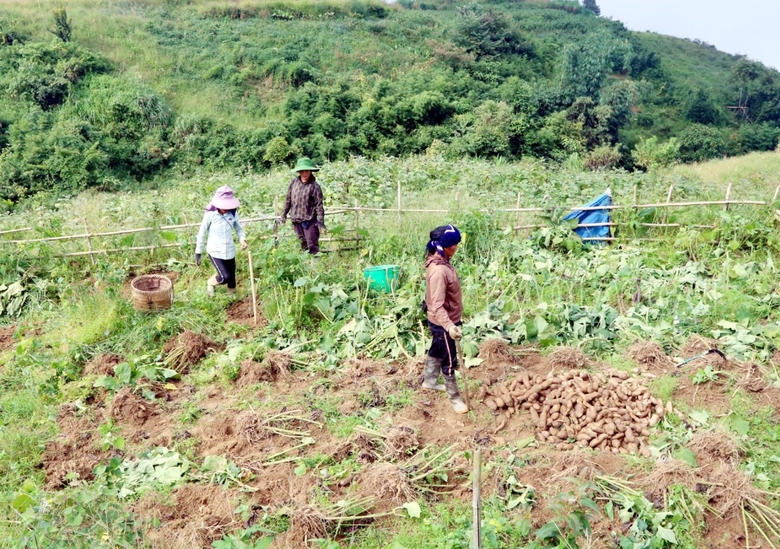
x: 477, y: 499
x: 705, y: 353
x: 462, y: 365
x: 252, y: 283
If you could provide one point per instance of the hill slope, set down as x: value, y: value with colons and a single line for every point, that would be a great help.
x: 143, y: 87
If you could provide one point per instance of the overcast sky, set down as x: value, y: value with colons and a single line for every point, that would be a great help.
x: 747, y: 27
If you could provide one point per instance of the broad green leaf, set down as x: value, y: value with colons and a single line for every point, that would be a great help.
x: 548, y: 531
x: 700, y: 416
x: 739, y: 425
x: 412, y: 509
x: 471, y: 362
x: 123, y: 372
x: 666, y: 534
x: 300, y: 470
x: 14, y: 289
x: 525, y: 442
x: 684, y: 454
x: 512, y: 503
x: 22, y: 502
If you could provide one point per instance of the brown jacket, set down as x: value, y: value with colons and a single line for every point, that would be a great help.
x: 442, y: 292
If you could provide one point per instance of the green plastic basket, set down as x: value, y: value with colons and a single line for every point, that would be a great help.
x: 382, y: 278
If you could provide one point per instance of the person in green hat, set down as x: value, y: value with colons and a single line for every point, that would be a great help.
x: 305, y: 207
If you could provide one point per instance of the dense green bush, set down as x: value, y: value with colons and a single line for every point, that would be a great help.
x: 699, y: 142
x: 44, y: 73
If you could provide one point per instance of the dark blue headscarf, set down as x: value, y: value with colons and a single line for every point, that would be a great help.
x: 443, y: 237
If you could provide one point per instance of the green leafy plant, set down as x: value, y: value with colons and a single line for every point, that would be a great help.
x: 138, y: 373
x: 704, y: 375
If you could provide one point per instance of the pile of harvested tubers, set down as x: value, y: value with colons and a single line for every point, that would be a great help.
x: 605, y: 411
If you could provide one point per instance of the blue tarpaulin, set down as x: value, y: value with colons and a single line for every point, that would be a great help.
x: 593, y: 216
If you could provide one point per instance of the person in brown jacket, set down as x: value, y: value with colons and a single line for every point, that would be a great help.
x: 304, y: 204
x: 444, y: 306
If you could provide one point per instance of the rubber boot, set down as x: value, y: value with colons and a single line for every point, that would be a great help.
x: 231, y: 290
x: 454, y: 393
x: 211, y: 284
x: 431, y: 374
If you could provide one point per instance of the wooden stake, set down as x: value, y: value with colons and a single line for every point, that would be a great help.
x: 668, y: 200
x: 399, y: 203
x: 89, y: 242
x: 728, y: 196
x: 357, y: 222
x: 252, y: 284
x: 517, y: 215
x: 774, y: 197
x: 276, y: 222
x: 477, y: 498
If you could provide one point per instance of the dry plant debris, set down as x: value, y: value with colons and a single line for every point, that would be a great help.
x: 568, y: 358
x: 187, y: 349
x: 496, y: 349
x: 649, y: 354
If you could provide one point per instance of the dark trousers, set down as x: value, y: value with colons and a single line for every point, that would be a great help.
x: 443, y: 347
x: 226, y: 271
x: 309, y: 234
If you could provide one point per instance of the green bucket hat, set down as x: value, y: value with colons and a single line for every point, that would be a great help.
x: 305, y: 163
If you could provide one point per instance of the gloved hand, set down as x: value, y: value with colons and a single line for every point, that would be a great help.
x: 197, y: 260
x: 455, y: 332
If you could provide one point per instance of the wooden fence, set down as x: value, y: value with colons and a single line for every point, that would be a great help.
x: 351, y: 240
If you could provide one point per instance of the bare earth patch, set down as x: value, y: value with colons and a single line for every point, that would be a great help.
x: 242, y: 312
x: 75, y: 450
x: 7, y: 337
x: 128, y: 407
x: 102, y: 365
x: 195, y: 516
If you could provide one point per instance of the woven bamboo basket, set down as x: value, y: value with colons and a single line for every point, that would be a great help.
x: 152, y: 292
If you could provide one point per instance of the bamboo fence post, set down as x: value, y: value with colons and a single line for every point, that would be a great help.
x: 252, y: 285
x: 728, y: 197
x: 477, y: 498
x: 774, y: 197
x: 668, y: 200
x: 276, y: 222
x: 517, y: 213
x: 357, y: 222
x: 89, y: 241
x: 399, y: 204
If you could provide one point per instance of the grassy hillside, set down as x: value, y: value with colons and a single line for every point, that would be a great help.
x: 142, y: 90
x: 196, y: 427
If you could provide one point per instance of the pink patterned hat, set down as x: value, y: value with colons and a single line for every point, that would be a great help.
x: 224, y: 199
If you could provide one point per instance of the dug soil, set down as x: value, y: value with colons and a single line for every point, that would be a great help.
x: 274, y: 415
x: 242, y: 312
x: 187, y: 349
x: 7, y: 337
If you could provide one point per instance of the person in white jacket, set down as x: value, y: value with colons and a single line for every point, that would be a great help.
x: 219, y: 222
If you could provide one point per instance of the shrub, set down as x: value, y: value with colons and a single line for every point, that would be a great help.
x: 650, y: 154
x: 48, y: 154
x: 45, y: 73
x: 699, y: 142
x: 603, y: 157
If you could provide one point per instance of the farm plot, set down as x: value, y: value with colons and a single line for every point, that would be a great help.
x: 286, y: 454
